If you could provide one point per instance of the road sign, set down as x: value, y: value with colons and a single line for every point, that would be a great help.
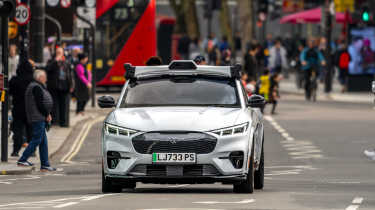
x: 66, y: 3
x: 52, y: 3
x: 12, y: 30
x: 344, y: 5
x: 89, y: 14
x: 23, y: 15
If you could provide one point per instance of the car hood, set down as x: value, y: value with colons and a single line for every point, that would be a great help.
x: 180, y: 118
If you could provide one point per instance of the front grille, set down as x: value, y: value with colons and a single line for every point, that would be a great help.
x: 174, y: 142
x: 174, y: 170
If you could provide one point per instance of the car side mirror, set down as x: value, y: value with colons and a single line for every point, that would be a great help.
x: 257, y: 101
x: 106, y: 102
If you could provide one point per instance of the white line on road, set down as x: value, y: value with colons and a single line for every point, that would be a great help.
x: 226, y: 202
x: 65, y: 205
x: 357, y: 200
x: 352, y: 207
x: 297, y: 149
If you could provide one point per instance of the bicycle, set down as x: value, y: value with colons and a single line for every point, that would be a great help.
x: 312, y: 87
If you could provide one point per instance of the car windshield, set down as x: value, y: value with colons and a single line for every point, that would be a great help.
x: 181, y: 91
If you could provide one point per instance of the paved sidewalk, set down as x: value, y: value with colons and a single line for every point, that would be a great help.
x: 289, y: 86
x: 56, y: 137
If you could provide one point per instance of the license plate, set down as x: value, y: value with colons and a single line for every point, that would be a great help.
x: 173, y: 157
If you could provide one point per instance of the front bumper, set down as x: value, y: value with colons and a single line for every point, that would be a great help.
x: 218, y: 159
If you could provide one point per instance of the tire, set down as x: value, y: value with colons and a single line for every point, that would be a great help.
x: 259, y: 174
x: 108, y: 187
x: 130, y: 185
x: 247, y: 186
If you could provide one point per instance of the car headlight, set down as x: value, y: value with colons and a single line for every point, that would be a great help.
x: 118, y: 131
x: 237, y: 129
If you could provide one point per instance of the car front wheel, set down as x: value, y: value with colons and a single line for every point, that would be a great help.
x: 259, y: 174
x: 108, y: 187
x: 247, y: 186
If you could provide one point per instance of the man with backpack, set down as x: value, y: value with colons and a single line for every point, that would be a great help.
x: 342, y: 63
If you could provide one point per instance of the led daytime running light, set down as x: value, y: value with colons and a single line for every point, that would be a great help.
x: 238, y: 129
x: 118, y: 131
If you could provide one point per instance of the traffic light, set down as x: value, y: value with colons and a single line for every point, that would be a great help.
x: 7, y: 8
x: 365, y: 14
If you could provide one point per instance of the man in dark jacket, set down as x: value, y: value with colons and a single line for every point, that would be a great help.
x: 60, y: 85
x: 17, y: 89
x: 38, y: 109
x: 251, y: 64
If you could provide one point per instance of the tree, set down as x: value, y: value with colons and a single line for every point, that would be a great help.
x: 180, y: 27
x: 186, y: 17
x: 225, y: 22
x: 245, y: 8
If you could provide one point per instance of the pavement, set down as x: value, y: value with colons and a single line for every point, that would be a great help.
x: 313, y: 160
x: 289, y: 86
x: 56, y: 138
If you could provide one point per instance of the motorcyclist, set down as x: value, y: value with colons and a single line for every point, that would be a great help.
x: 311, y: 59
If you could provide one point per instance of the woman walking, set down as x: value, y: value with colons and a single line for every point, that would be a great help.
x: 83, y: 83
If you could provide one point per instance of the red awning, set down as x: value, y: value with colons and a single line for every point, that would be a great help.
x: 312, y: 16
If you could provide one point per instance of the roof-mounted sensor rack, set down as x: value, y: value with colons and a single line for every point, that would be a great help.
x: 181, y: 67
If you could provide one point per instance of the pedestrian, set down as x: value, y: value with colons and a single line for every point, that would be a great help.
x: 47, y: 52
x: 83, y: 83
x: 224, y: 44
x: 17, y: 89
x: 183, y: 46
x: 342, y: 63
x: 200, y: 60
x: 311, y: 59
x: 154, y: 61
x: 194, y: 48
x: 274, y: 94
x: 213, y: 54
x: 251, y: 64
x: 226, y: 57
x: 13, y: 60
x: 60, y: 84
x: 265, y: 85
x: 38, y: 109
x: 251, y: 87
x: 278, y: 61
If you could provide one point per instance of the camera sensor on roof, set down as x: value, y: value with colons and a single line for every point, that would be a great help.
x: 182, y: 65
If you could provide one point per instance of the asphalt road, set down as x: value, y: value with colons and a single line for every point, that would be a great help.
x: 314, y: 160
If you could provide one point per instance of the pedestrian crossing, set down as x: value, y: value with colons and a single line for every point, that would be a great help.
x: 297, y: 149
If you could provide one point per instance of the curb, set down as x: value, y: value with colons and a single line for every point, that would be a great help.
x: 51, y: 155
x: 17, y: 171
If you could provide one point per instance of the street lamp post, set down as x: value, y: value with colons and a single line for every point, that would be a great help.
x: 7, y: 8
x: 328, y: 32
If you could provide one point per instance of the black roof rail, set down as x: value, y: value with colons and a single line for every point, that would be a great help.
x: 129, y: 71
x: 235, y: 71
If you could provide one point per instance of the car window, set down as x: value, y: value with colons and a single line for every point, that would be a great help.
x: 244, y: 93
x: 182, y: 91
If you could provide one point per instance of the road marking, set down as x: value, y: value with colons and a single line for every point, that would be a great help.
x: 296, y: 149
x: 57, y: 203
x: 80, y: 140
x: 357, y: 201
x: 226, y: 202
x: 65, y: 205
x: 352, y: 207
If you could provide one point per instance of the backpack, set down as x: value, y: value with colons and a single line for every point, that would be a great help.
x: 344, y: 60
x: 312, y: 56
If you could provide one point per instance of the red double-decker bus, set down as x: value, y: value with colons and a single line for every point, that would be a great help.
x: 125, y: 33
